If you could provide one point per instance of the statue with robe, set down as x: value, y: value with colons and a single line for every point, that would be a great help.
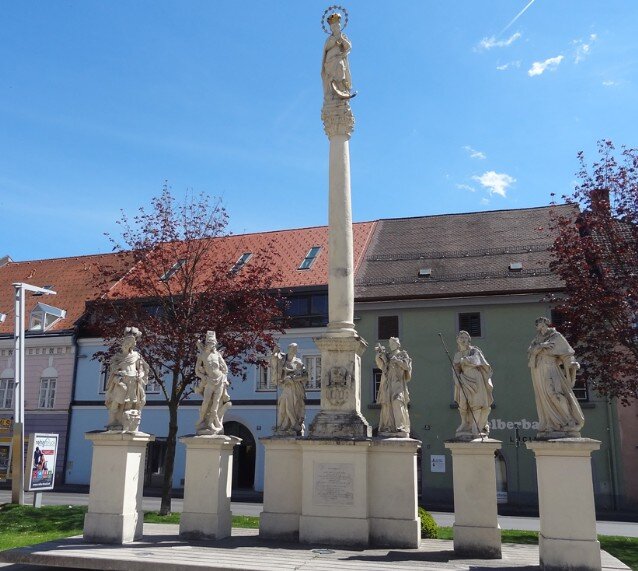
x: 393, y: 395
x: 289, y: 374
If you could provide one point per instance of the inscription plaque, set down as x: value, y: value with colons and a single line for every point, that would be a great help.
x: 333, y: 484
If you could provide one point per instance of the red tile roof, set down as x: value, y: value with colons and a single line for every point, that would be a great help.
x: 288, y: 248
x: 73, y: 279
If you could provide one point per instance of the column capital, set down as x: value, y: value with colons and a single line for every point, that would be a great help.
x: 338, y: 119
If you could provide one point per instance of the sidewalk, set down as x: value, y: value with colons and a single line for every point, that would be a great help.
x: 162, y: 550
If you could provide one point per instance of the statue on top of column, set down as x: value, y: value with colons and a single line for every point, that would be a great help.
x: 553, y: 367
x: 289, y: 373
x: 393, y: 396
x: 127, y: 376
x: 335, y: 69
x: 212, y: 371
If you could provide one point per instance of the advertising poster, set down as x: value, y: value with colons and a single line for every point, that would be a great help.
x: 43, y: 450
x: 5, y: 461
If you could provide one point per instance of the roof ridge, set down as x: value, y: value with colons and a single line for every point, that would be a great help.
x: 548, y: 206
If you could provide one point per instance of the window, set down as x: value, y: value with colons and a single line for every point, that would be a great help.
x: 239, y: 264
x: 307, y: 310
x: 264, y: 381
x: 47, y: 392
x: 310, y: 258
x: 376, y: 383
x: 313, y: 367
x: 387, y: 326
x: 6, y: 393
x: 168, y: 274
x: 44, y: 316
x: 470, y: 322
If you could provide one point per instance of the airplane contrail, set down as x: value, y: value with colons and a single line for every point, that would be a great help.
x: 517, y: 16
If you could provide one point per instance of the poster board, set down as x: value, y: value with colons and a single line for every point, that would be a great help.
x: 41, y: 458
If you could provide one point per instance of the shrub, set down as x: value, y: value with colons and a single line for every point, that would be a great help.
x: 429, y: 528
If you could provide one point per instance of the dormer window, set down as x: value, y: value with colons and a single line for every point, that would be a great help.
x: 239, y: 264
x: 168, y: 274
x: 310, y: 258
x: 44, y: 316
x: 515, y: 266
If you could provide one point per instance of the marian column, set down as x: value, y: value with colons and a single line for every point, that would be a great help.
x: 341, y: 348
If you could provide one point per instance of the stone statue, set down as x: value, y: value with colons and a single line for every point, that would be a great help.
x: 335, y: 70
x: 472, y: 388
x: 393, y: 396
x: 212, y: 371
x: 127, y: 376
x: 289, y: 373
x: 553, y: 368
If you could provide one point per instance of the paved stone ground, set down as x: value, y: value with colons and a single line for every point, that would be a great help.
x: 162, y: 550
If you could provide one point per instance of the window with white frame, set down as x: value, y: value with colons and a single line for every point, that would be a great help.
x: 47, y: 392
x: 6, y: 393
x: 313, y: 368
x: 44, y: 316
x: 264, y: 380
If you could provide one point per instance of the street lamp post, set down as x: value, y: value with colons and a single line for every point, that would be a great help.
x: 17, y: 482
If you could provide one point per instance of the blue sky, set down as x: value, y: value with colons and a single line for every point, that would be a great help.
x: 459, y: 108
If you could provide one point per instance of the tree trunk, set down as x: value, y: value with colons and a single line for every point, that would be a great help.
x: 169, y: 460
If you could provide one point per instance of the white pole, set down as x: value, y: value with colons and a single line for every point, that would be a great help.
x: 17, y: 482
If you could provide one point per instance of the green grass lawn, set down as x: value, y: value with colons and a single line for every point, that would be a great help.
x: 25, y: 525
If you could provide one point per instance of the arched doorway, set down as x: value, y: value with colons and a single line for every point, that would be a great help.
x: 243, y: 456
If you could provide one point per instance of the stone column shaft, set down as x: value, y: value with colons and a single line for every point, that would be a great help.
x: 340, y: 242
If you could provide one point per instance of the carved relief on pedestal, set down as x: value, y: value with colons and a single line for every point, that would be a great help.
x: 339, y: 386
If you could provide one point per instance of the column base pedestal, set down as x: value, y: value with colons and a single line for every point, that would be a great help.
x: 353, y: 532
x: 476, y: 530
x: 115, y: 497
x: 562, y: 554
x: 281, y: 526
x: 477, y: 542
x: 567, y: 539
x: 207, y: 487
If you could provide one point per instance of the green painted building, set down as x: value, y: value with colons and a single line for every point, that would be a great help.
x: 487, y: 273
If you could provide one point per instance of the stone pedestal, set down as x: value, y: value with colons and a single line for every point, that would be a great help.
x: 341, y: 492
x: 334, y: 492
x: 476, y: 530
x: 393, y: 493
x: 207, y: 487
x: 340, y: 415
x: 282, y: 489
x: 567, y: 537
x: 117, y: 478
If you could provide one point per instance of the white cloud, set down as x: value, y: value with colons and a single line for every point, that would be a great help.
x: 465, y: 187
x: 496, y: 183
x: 509, y: 65
x: 474, y: 154
x: 492, y: 42
x: 610, y: 83
x: 583, y: 48
x: 538, y: 67
x: 485, y: 201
